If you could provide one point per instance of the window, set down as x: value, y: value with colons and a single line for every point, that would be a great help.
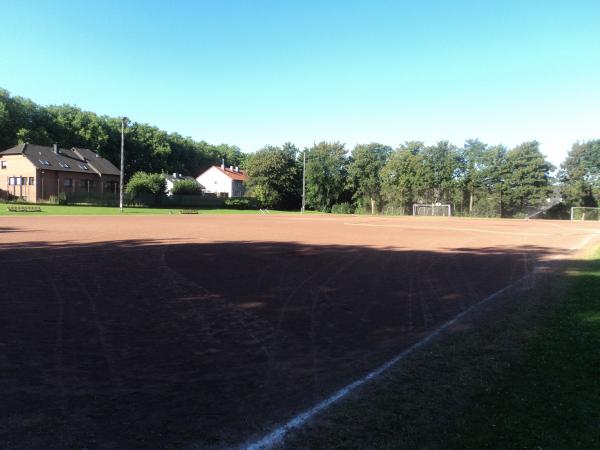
x: 19, y: 181
x: 87, y: 184
x: 84, y: 167
x: 64, y: 164
x: 110, y: 186
x: 2, y: 164
x: 68, y: 182
x: 31, y: 181
x: 44, y: 162
x: 12, y: 181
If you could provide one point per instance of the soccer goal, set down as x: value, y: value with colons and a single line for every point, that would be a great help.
x: 431, y: 209
x: 585, y: 213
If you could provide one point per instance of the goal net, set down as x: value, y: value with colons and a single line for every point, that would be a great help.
x: 585, y: 213
x: 431, y: 209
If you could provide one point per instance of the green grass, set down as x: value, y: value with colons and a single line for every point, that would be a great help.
x: 64, y: 210
x: 520, y: 373
x: 550, y: 398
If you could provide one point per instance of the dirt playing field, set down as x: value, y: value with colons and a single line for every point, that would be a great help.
x: 208, y: 331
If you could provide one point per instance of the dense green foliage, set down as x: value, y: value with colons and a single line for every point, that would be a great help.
x: 275, y: 176
x: 580, y: 175
x: 525, y: 179
x: 147, y: 148
x: 142, y: 183
x: 364, y: 172
x: 326, y: 175
x: 186, y: 187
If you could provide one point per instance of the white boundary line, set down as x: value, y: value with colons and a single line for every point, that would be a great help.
x: 276, y: 435
x: 477, y: 230
x: 586, y: 241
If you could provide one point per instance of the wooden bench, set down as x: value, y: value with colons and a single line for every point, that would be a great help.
x: 24, y: 209
x: 188, y: 211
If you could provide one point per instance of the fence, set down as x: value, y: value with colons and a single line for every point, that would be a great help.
x: 198, y: 201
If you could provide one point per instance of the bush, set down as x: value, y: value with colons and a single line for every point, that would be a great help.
x: 142, y: 183
x: 186, y: 187
x: 60, y: 199
x: 241, y: 203
x: 342, y: 208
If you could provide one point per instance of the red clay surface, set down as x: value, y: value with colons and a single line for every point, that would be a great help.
x: 207, y: 331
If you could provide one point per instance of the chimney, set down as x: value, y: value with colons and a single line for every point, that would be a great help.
x: 237, y: 169
x: 174, y: 174
x: 223, y: 164
x: 56, y: 149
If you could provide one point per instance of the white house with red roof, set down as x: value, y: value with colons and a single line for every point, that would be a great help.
x: 223, y: 180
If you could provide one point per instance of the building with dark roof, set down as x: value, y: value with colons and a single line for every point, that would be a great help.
x: 35, y: 172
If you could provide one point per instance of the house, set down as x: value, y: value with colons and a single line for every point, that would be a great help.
x: 35, y: 172
x: 171, y: 179
x: 224, y: 181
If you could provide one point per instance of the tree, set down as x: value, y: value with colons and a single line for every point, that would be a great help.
x: 231, y: 154
x: 580, y: 175
x: 147, y: 148
x: 326, y: 175
x: 142, y: 183
x: 482, y: 170
x: 274, y: 176
x: 402, y: 177
x: 442, y: 165
x: 364, y: 171
x: 526, y: 182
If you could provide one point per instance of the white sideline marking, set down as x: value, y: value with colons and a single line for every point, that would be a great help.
x: 586, y: 241
x: 276, y: 435
x: 478, y: 230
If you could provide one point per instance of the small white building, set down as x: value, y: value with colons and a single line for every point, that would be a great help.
x: 171, y: 179
x: 223, y: 180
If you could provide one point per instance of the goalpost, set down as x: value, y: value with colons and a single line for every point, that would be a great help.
x: 431, y: 209
x: 585, y: 213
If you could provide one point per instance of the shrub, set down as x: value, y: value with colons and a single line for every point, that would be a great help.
x: 242, y: 203
x: 142, y: 183
x: 60, y: 199
x: 342, y: 208
x: 186, y: 187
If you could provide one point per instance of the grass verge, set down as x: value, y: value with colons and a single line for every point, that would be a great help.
x: 520, y: 373
x: 75, y: 210
x: 550, y: 397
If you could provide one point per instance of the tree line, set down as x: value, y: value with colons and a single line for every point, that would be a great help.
x: 476, y: 179
x: 149, y: 148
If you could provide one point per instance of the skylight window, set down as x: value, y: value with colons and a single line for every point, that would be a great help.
x: 64, y: 164
x: 44, y: 162
x: 84, y: 166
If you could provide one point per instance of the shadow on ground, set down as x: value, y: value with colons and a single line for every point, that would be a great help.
x: 144, y: 344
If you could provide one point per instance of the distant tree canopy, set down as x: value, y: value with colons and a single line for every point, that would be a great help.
x: 147, y: 147
x: 477, y: 179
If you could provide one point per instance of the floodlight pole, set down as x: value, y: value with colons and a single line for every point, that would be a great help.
x: 123, y: 123
x: 303, y: 182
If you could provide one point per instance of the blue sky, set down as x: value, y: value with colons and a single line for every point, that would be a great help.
x: 252, y: 73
